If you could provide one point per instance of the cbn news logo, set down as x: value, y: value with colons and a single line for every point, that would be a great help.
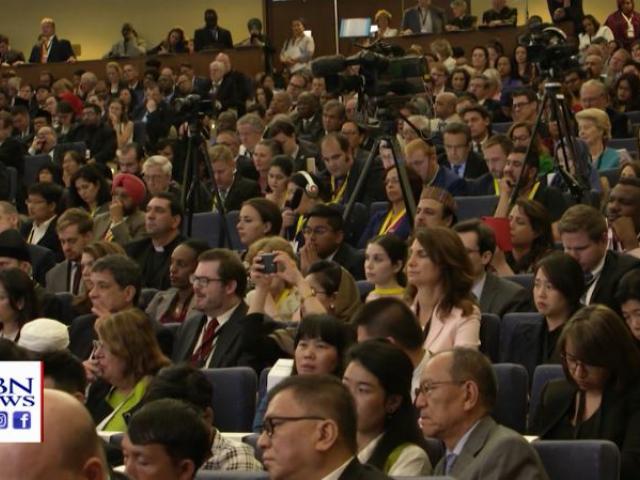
x: 21, y: 402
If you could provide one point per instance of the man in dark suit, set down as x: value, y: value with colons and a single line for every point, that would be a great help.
x: 232, y: 187
x: 324, y: 240
x: 476, y: 446
x: 421, y: 156
x: 583, y: 232
x: 43, y: 202
x: 305, y: 154
x: 299, y: 407
x: 49, y: 48
x: 423, y: 18
x: 75, y: 231
x: 308, y: 118
x: 458, y: 155
x: 250, y: 128
x: 12, y: 150
x: 98, y: 136
x: 216, y: 337
x: 234, y: 89
x: 495, y: 295
x: 343, y: 171
x: 8, y: 56
x: 116, y: 286
x: 212, y: 35
x: 22, y: 127
x: 495, y: 151
x: 499, y: 15
x: 594, y: 94
x: 163, y: 219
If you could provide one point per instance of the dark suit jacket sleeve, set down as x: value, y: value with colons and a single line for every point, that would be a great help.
x: 198, y: 39
x: 106, y: 146
x: 225, y: 37
x: 34, y: 57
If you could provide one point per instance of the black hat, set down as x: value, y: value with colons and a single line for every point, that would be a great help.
x: 12, y: 245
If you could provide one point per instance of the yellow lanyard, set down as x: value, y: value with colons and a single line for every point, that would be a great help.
x: 337, y: 196
x: 534, y: 190
x: 496, y: 186
x: 385, y: 292
x: 283, y: 295
x: 299, y: 225
x: 390, y: 221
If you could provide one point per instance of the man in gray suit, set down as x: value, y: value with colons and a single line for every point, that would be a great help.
x: 423, y: 18
x: 75, y: 231
x: 495, y: 295
x: 457, y: 392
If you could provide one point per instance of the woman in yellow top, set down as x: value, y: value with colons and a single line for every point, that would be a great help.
x: 125, y: 357
x: 384, y: 262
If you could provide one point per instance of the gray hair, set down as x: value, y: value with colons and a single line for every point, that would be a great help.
x: 158, y: 161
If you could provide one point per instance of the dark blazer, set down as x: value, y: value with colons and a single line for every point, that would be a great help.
x: 615, y: 266
x: 58, y: 278
x: 402, y: 231
x: 101, y: 142
x: 154, y: 275
x: 12, y: 56
x: 49, y: 239
x: 162, y: 302
x: 475, y: 165
x: 449, y: 181
x: 351, y: 259
x: 234, y: 91
x: 312, y: 131
x: 372, y: 189
x: 42, y: 260
x: 502, y: 296
x: 411, y: 19
x: 620, y: 124
x: 60, y: 51
x: 241, y: 189
x: 230, y: 348
x: 496, y: 452
x: 306, y: 149
x: 619, y: 420
x: 526, y: 348
x: 357, y: 471
x: 483, y: 185
x: 205, y: 38
x: 246, y: 168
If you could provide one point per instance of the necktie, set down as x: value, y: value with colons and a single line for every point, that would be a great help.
x: 77, y: 274
x: 456, y: 169
x: 30, y: 238
x: 109, y: 235
x: 588, y: 279
x: 449, y: 460
x: 206, y: 346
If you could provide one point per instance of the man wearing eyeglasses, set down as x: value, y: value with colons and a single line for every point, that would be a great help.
x: 457, y: 392
x: 310, y: 432
x: 216, y: 337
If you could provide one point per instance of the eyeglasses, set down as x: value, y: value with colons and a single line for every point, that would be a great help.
x: 573, y: 363
x: 520, y: 104
x: 269, y: 425
x: 428, y: 387
x: 315, y: 231
x: 202, y: 281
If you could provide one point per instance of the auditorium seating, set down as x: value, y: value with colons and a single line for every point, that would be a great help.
x: 13, y: 184
x: 541, y: 376
x: 508, y: 325
x: 490, y: 336
x: 62, y: 148
x: 232, y: 225
x: 631, y: 144
x: 234, y: 397
x: 579, y: 459
x: 364, y: 288
x: 33, y: 163
x: 475, y: 207
x: 523, y: 279
x: 510, y: 409
x: 206, y: 226
x: 611, y: 174
x: 376, y: 207
x: 501, y: 127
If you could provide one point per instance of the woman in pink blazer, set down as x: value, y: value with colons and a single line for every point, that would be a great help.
x: 441, y: 275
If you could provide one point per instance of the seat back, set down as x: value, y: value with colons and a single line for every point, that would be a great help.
x: 631, y: 144
x: 475, y: 207
x: 510, y: 409
x: 501, y: 127
x: 234, y: 397
x: 33, y: 163
x: 508, y: 326
x: 525, y: 280
x: 356, y: 223
x: 490, y: 336
x: 206, y: 226
x: 146, y: 295
x: 376, y: 207
x: 611, y: 174
x: 230, y: 475
x: 232, y: 225
x: 13, y: 183
x: 262, y: 383
x: 541, y: 376
x: 583, y: 459
x: 364, y: 288
x: 62, y: 148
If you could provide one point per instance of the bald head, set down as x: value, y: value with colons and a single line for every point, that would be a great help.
x: 71, y: 448
x: 224, y: 58
x: 445, y: 105
x: 593, y: 94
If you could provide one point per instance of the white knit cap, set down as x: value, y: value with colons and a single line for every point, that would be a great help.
x: 44, y: 335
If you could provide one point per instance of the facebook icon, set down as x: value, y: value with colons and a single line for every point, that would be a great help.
x: 21, y: 420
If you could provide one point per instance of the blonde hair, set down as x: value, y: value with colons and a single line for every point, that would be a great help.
x: 268, y: 245
x: 129, y: 336
x: 381, y: 13
x: 599, y: 117
x: 418, y: 145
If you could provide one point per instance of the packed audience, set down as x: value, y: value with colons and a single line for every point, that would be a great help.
x: 371, y: 280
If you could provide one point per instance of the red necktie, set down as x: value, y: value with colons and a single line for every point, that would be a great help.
x: 201, y: 354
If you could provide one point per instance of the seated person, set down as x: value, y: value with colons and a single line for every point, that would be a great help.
x: 50, y: 48
x: 123, y: 359
x: 476, y: 446
x: 88, y: 189
x: 176, y: 303
x: 394, y: 219
x: 459, y: 156
x: 43, y: 202
x: 436, y: 207
x: 63, y: 371
x: 22, y: 306
x: 598, y: 399
x: 168, y: 436
x: 557, y: 289
x: 594, y: 127
x: 494, y: 294
x: 421, y: 156
x: 531, y: 239
x: 441, y: 272
x: 324, y: 240
x: 423, y: 18
x: 500, y: 15
x: 628, y: 296
x: 461, y: 19
x: 258, y: 218
x: 190, y: 385
x: 495, y: 152
x: 385, y: 258
x: 388, y: 435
